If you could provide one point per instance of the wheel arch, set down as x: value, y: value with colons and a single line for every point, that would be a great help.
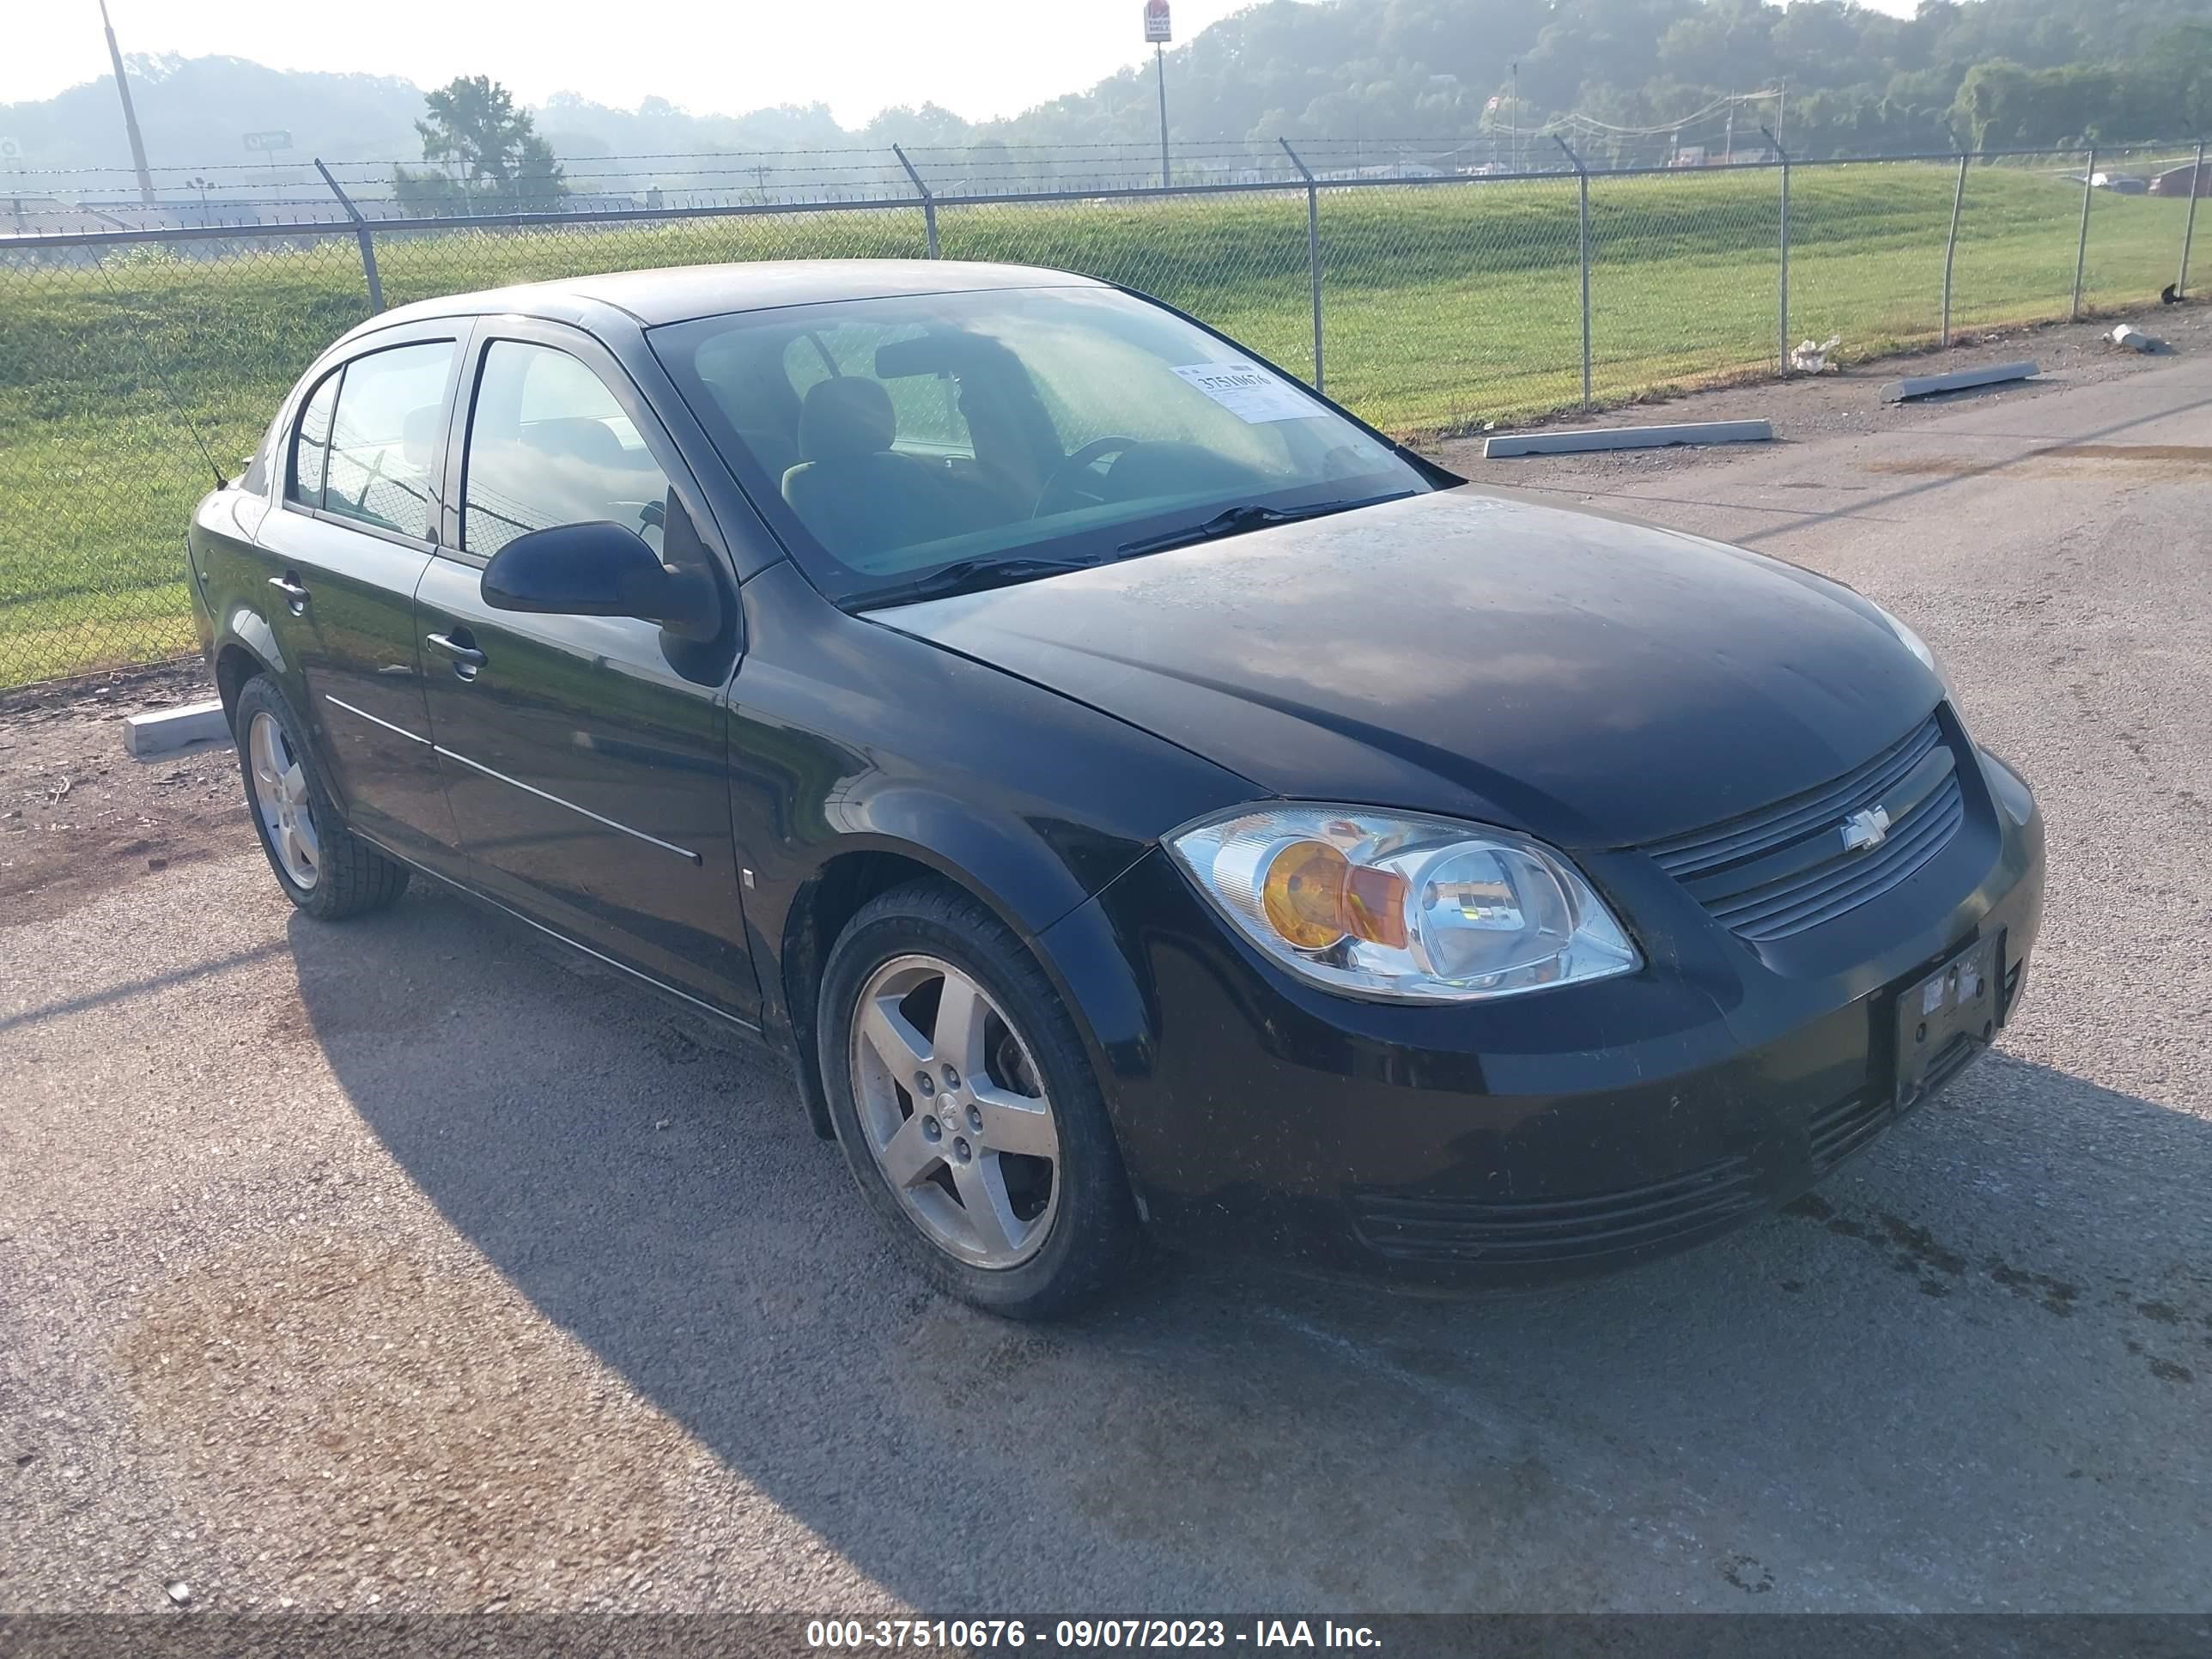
x: 235, y: 665
x: 246, y: 646
x: 836, y: 891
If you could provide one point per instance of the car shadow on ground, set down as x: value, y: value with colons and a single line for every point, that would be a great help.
x: 1984, y: 1340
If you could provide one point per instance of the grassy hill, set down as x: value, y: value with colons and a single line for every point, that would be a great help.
x: 1446, y: 306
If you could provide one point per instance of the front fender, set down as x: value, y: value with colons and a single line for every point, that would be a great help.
x: 861, y: 757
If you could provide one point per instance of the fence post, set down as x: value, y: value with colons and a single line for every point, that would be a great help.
x: 2081, y: 249
x: 1784, y: 155
x: 928, y: 201
x: 1951, y: 247
x: 1313, y: 252
x: 2189, y: 228
x: 1582, y: 181
x: 361, y: 235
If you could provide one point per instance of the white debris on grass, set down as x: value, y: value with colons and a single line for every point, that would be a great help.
x: 1810, y: 358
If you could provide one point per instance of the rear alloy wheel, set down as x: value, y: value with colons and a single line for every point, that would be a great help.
x: 967, y: 1107
x: 280, y: 795
x: 326, y: 870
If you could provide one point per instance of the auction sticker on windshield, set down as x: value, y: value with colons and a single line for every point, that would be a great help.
x: 1249, y: 392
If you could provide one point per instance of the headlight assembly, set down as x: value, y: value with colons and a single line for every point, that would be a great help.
x: 1918, y: 646
x: 1416, y: 909
x: 1913, y: 642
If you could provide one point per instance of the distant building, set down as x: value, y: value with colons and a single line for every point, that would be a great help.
x: 129, y: 213
x: 1384, y: 170
x: 2181, y: 180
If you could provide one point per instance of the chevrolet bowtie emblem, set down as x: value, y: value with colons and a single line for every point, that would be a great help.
x: 1869, y: 828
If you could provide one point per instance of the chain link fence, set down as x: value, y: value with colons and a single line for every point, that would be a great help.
x: 1430, y: 304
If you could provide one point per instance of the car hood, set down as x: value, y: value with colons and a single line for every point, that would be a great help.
x: 1583, y: 677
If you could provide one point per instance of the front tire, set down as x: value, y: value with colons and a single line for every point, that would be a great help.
x: 968, y: 1109
x: 323, y: 868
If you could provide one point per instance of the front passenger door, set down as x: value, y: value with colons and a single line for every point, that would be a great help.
x: 583, y: 756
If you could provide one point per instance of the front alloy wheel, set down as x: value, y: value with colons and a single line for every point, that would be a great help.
x: 964, y: 1099
x: 952, y: 1109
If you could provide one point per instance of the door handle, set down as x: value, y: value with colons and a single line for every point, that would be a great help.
x: 466, y: 657
x: 295, y: 596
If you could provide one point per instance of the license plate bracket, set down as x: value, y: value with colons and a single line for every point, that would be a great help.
x: 1946, y: 1018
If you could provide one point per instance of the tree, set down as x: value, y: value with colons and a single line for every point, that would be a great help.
x: 474, y: 125
x: 991, y: 169
x: 1990, y: 110
x: 2183, y: 57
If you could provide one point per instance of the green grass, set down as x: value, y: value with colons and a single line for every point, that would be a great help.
x: 1445, y: 308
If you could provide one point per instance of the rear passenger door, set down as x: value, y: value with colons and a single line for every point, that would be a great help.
x: 583, y: 756
x: 356, y: 519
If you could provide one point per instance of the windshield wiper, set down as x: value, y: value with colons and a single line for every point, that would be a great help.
x: 974, y: 575
x: 967, y: 576
x: 1236, y: 520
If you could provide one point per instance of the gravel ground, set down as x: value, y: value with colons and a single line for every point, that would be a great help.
x: 407, y: 1264
x: 78, y: 815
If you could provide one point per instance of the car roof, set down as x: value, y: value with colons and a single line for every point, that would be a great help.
x: 679, y: 294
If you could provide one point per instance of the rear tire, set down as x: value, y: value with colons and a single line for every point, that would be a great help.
x: 966, y: 1105
x: 324, y: 868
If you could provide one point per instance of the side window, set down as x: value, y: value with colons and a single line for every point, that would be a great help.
x: 548, y: 445
x: 311, y: 447
x: 383, y: 438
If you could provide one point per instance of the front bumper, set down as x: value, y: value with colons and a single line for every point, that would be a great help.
x: 1540, y: 1136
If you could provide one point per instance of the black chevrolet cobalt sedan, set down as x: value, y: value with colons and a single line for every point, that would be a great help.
x: 1140, y: 797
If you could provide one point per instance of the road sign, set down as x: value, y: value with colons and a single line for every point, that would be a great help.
x: 1156, y: 22
x: 11, y: 150
x: 276, y: 139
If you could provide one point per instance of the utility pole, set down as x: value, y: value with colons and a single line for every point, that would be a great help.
x: 1513, y: 142
x: 1158, y: 32
x: 130, y: 115
x: 1160, y: 64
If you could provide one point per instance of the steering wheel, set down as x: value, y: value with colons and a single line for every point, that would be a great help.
x: 1062, y: 480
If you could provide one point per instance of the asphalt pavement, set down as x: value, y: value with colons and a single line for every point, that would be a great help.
x: 407, y: 1264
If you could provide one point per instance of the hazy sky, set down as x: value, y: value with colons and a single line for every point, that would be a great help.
x: 980, y: 57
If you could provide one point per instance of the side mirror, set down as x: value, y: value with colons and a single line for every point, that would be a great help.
x: 595, y: 569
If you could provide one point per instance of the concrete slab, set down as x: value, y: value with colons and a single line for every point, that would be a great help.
x: 1922, y: 386
x: 1628, y: 437
x: 168, y: 729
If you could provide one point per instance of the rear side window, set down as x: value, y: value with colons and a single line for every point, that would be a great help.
x: 384, y: 436
x: 549, y: 444
x: 310, y: 447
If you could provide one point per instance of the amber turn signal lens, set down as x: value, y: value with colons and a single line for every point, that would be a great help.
x: 1303, y: 894
x: 1314, y: 895
x: 1374, y: 906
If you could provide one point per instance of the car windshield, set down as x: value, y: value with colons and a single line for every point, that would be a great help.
x: 922, y: 444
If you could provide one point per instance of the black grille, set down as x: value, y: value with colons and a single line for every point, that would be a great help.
x: 1431, y: 1228
x: 1841, y: 1129
x: 1785, y: 868
x: 1958, y: 1054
